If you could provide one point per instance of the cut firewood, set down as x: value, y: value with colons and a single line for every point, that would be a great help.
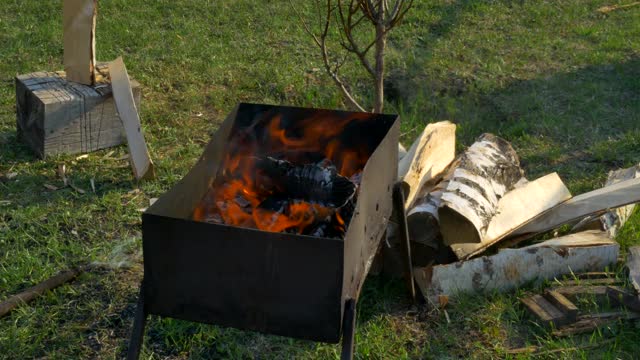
x: 423, y: 217
x: 510, y: 268
x: 486, y: 172
x: 594, y: 202
x: 31, y: 293
x: 427, y: 158
x: 123, y: 96
x: 516, y: 208
x: 614, y: 219
x: 79, y: 24
x: 633, y: 264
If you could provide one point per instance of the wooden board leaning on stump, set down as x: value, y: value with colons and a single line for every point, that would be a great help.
x: 56, y: 116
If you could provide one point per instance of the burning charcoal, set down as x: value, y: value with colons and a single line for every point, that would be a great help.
x: 309, y: 182
x: 242, y: 202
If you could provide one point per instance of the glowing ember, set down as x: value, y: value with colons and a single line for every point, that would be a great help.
x: 299, y: 178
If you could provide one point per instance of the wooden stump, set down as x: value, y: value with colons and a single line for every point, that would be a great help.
x: 56, y: 116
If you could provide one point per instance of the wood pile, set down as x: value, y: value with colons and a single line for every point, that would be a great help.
x: 469, y: 214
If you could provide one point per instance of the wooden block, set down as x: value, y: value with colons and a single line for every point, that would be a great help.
x: 545, y: 311
x: 563, y: 304
x: 55, y: 116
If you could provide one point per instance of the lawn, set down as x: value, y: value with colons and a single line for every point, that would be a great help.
x: 556, y: 78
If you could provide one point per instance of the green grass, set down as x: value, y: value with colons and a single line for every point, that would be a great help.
x: 558, y: 79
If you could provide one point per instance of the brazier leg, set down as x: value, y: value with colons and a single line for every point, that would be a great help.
x: 139, y: 322
x: 403, y: 228
x: 348, y: 329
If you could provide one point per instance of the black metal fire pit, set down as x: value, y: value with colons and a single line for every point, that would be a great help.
x: 278, y: 283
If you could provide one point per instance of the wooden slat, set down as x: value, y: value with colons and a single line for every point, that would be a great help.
x: 563, y: 304
x: 545, y: 311
x: 123, y: 96
x: 624, y: 298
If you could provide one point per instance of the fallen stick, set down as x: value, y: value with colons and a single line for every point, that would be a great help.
x: 609, y: 8
x: 31, y: 293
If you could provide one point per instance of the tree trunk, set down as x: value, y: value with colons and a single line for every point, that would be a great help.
x: 381, y: 42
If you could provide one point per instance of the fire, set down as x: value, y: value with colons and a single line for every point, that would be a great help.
x: 243, y: 195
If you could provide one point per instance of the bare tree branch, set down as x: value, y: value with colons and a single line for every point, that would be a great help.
x: 321, y: 43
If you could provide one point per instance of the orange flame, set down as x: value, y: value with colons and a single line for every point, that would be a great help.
x: 236, y: 195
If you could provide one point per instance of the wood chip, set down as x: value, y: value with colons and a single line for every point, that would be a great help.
x: 83, y: 156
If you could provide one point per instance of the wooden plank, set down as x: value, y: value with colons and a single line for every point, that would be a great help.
x: 486, y: 172
x: 516, y: 208
x: 427, y: 158
x: 633, y: 264
x: 613, y: 196
x: 79, y: 23
x: 123, y: 96
x: 511, y: 268
x: 624, y: 298
x: 545, y: 311
x: 563, y: 304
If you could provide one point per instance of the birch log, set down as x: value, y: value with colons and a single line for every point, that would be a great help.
x: 427, y: 158
x: 487, y: 171
x: 511, y: 268
x: 422, y: 218
x: 79, y: 24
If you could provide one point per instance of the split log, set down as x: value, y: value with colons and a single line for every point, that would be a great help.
x: 427, y: 158
x: 79, y: 25
x: 486, y: 172
x: 633, y: 264
x: 595, y: 202
x: 613, y: 220
x: 123, y: 96
x: 423, y: 217
x: 511, y: 268
x: 31, y: 293
x: 516, y: 208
